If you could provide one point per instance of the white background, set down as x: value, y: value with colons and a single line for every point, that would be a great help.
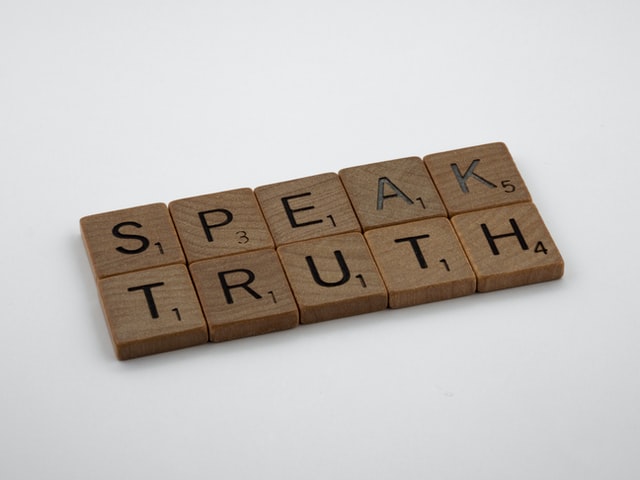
x: 107, y: 105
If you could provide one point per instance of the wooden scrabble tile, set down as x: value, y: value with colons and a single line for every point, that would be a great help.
x: 421, y: 262
x: 333, y: 277
x: 391, y: 192
x: 244, y: 294
x: 508, y: 246
x: 476, y: 178
x: 131, y: 239
x: 152, y: 311
x: 220, y: 224
x: 306, y: 208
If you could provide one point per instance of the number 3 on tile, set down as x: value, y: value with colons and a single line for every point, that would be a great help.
x: 242, y: 237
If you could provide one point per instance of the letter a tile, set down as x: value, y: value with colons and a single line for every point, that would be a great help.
x: 508, y: 246
x: 476, y: 178
x: 131, y: 239
x: 244, y: 295
x: 333, y: 277
x: 391, y: 192
x: 152, y: 311
x: 306, y: 208
x: 421, y: 262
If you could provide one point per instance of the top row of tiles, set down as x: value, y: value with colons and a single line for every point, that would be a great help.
x: 357, y: 198
x: 390, y: 192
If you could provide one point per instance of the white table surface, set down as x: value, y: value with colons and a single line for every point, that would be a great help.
x: 107, y: 105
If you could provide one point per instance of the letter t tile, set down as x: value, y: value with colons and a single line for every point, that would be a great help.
x: 421, y: 262
x: 152, y: 311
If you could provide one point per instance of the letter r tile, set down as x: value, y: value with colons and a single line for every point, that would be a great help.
x: 391, y: 192
x: 245, y: 294
x: 220, y: 224
x: 307, y: 208
x: 476, y: 178
x: 421, y: 262
x: 333, y: 277
x: 508, y: 246
x: 152, y: 311
x: 130, y: 239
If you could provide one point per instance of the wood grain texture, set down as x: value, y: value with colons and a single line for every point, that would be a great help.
x: 130, y: 239
x: 152, y: 311
x: 421, y: 262
x: 333, y: 277
x: 477, y: 178
x: 292, y: 252
x: 392, y: 192
x: 220, y: 224
x: 307, y: 208
x: 243, y: 295
x: 508, y: 246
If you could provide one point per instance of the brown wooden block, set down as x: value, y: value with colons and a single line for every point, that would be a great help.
x: 220, y: 224
x: 306, y: 208
x: 508, y: 246
x: 333, y: 277
x: 130, y: 239
x: 421, y: 262
x: 244, y: 295
x: 152, y: 311
x: 476, y: 178
x: 391, y: 192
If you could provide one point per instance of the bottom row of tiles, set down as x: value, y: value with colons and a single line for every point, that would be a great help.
x: 171, y: 307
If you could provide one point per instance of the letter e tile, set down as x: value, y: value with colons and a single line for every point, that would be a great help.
x: 306, y: 208
x: 508, y: 246
x: 220, y: 224
x: 245, y: 294
x: 130, y: 239
x: 152, y: 311
x: 421, y: 262
x: 476, y: 178
x: 391, y: 192
x: 333, y: 277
